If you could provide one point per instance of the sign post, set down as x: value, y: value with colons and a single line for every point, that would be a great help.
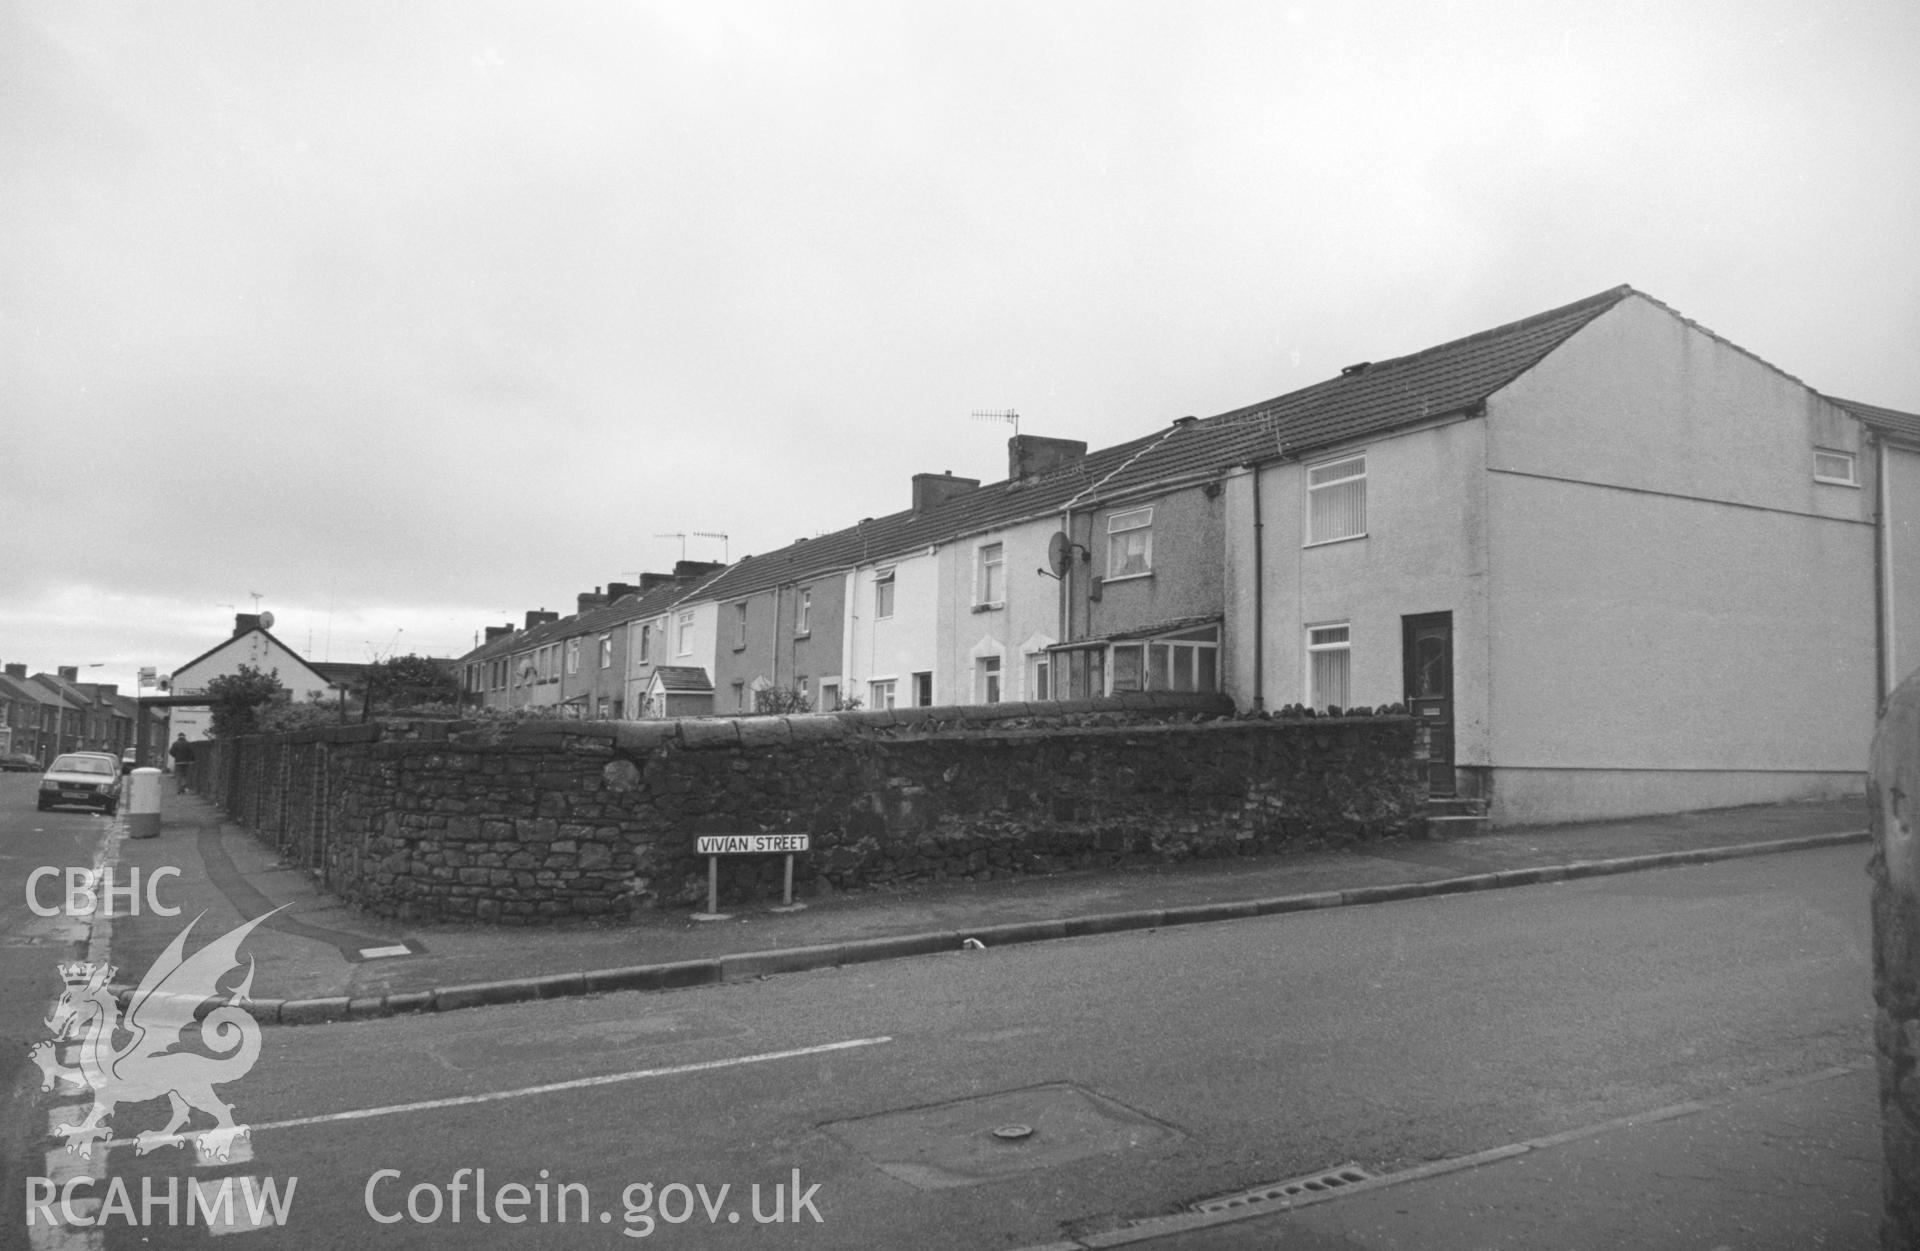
x: 714, y: 846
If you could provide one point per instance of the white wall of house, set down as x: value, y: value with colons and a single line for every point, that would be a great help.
x: 1682, y: 617
x: 893, y: 648
x: 1028, y: 612
x: 1424, y: 552
x: 696, y: 644
x: 253, y: 648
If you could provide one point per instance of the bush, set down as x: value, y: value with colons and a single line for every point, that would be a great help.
x: 238, y: 701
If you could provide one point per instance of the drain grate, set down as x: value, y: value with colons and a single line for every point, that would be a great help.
x: 1332, y: 1179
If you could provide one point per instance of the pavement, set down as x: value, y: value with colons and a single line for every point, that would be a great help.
x: 319, y: 960
x: 1792, y: 1165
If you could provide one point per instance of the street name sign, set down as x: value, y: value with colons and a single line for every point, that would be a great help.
x: 750, y: 844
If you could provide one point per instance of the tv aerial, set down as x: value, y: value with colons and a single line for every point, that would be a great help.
x: 1011, y: 417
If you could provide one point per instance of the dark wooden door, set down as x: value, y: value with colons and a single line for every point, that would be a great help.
x: 1427, y: 646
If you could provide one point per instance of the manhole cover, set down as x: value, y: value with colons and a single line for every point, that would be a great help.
x: 1017, y: 1131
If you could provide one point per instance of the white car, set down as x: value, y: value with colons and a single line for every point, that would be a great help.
x: 86, y: 778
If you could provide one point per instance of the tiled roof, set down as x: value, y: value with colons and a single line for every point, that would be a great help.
x: 897, y: 534
x: 29, y: 691
x: 1439, y: 381
x: 593, y: 621
x: 1885, y: 420
x: 683, y: 679
x: 1366, y: 399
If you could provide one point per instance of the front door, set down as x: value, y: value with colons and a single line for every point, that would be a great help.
x: 1427, y: 646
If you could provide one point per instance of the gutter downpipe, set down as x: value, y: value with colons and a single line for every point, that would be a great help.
x: 1066, y: 605
x: 1259, y: 602
x: 1882, y: 579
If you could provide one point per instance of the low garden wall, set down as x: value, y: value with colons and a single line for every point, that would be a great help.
x: 528, y: 822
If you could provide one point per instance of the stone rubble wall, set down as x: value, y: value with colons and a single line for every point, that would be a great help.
x: 527, y: 822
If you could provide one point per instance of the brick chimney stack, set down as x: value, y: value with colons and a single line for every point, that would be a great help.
x: 499, y: 631
x: 589, y: 599
x: 1029, y: 455
x: 70, y: 673
x: 245, y: 621
x: 930, y: 490
x: 540, y: 617
x: 16, y: 671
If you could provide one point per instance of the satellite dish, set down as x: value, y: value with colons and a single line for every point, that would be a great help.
x: 1060, y: 553
x: 266, y: 621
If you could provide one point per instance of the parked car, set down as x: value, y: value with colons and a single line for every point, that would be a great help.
x: 85, y: 778
x: 129, y: 760
x: 19, y: 762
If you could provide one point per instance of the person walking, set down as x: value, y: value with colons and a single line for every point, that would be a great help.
x: 182, y: 753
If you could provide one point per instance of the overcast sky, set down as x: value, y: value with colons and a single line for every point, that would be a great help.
x: 411, y: 317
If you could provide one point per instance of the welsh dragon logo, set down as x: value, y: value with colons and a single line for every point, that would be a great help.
x: 152, y: 1061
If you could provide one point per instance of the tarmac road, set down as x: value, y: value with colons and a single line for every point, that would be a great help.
x: 1157, y: 1068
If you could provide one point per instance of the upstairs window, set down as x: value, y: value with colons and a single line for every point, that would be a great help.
x: 573, y: 655
x: 644, y: 649
x: 990, y: 581
x: 803, y: 615
x: 686, y: 634
x: 740, y: 625
x: 883, y: 593
x: 1835, y: 467
x: 606, y: 651
x: 1130, y: 544
x: 1337, y: 500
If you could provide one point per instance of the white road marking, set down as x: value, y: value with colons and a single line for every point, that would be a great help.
x: 381, y: 953
x: 578, y: 1083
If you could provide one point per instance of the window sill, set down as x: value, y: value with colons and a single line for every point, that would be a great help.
x: 1839, y: 482
x: 1351, y: 538
x: 803, y: 634
x: 989, y: 607
x: 1128, y: 577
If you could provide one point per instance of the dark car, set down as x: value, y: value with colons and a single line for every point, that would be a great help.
x: 19, y: 762
x: 85, y: 779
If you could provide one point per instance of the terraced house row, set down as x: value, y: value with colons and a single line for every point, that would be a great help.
x: 49, y: 713
x: 1617, y: 563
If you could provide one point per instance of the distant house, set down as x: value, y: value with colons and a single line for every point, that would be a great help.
x: 249, y: 644
x: 591, y: 664
x: 34, y: 713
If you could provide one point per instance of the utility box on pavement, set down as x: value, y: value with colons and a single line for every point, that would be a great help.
x: 143, y: 803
